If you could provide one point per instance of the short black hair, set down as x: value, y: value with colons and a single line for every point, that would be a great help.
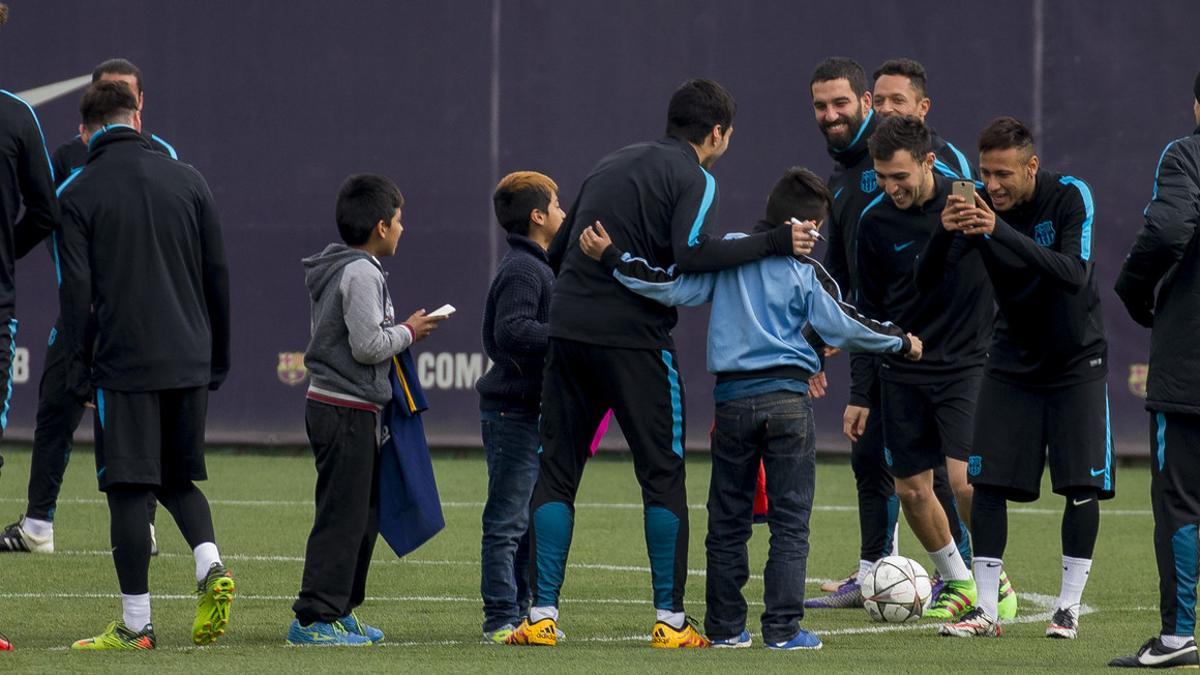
x: 798, y: 194
x: 841, y: 68
x: 1196, y: 88
x: 1003, y: 133
x: 106, y: 103
x: 900, y: 132
x: 910, y: 68
x: 696, y: 107
x: 363, y: 201
x: 118, y: 67
x: 517, y: 195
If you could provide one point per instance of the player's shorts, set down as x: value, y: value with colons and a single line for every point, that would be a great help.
x: 150, y: 438
x: 1016, y: 427
x: 924, y: 424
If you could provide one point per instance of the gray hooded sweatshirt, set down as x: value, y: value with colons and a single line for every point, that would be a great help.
x: 354, y: 335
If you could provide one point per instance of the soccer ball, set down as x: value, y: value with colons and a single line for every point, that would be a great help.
x: 896, y: 590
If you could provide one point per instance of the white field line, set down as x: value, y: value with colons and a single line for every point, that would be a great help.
x: 441, y: 563
x: 835, y: 508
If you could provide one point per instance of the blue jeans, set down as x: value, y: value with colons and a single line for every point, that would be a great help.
x: 778, y: 429
x: 510, y: 440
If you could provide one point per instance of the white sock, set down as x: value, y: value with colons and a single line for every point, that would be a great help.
x: 536, y: 614
x: 38, y: 528
x: 206, y: 554
x: 864, y: 566
x: 987, y: 584
x: 673, y: 619
x: 1074, y: 578
x: 1174, y: 641
x: 136, y: 611
x: 949, y: 563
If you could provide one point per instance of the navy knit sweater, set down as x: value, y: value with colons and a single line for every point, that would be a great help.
x: 516, y: 329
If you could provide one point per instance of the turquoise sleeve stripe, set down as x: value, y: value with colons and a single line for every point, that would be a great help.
x: 1158, y: 167
x: 963, y: 164
x: 1108, y: 444
x: 944, y: 169
x: 65, y: 183
x: 710, y: 191
x: 170, y: 148
x: 41, y: 135
x: 873, y: 204
x: 1089, y: 208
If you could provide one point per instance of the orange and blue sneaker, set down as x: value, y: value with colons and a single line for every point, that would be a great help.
x: 117, y: 636
x: 666, y: 636
x: 324, y: 634
x: 352, y: 625
x: 212, y: 608
x: 542, y: 633
x: 955, y: 600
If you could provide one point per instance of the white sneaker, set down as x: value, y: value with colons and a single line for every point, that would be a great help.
x: 1064, y: 625
x: 16, y: 539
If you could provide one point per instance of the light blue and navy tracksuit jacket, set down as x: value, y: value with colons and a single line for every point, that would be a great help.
x: 759, y: 313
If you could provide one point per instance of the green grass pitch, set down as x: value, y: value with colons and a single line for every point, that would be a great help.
x: 429, y: 606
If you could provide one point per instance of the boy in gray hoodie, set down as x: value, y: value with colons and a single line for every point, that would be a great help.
x: 354, y: 337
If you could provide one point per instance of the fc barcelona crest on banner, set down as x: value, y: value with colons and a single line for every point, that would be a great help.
x: 867, y: 182
x: 1137, y: 379
x: 291, y: 368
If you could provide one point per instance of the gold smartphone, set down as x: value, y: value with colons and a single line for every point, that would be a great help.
x: 966, y: 190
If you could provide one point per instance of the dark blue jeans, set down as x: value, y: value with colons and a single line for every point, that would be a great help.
x: 511, y: 442
x: 778, y: 429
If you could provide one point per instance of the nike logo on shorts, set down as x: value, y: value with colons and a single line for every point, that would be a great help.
x: 901, y: 247
x: 1098, y: 472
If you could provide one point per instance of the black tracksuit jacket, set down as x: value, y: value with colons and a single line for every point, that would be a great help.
x: 1049, y: 330
x: 25, y: 179
x: 953, y: 317
x: 658, y: 204
x: 71, y: 156
x: 1166, y: 256
x: 141, y: 245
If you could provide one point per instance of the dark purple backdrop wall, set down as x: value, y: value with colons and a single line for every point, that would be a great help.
x: 277, y: 102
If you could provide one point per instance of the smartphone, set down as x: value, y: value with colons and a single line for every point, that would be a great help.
x: 444, y: 310
x: 966, y: 190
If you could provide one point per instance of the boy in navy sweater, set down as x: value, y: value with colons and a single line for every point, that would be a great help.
x: 515, y: 337
x: 763, y: 364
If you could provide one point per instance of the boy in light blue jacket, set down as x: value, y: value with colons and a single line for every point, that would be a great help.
x: 758, y: 351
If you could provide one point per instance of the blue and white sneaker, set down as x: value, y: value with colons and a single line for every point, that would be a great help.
x: 322, y: 634
x: 803, y: 640
x: 739, y: 642
x: 352, y: 625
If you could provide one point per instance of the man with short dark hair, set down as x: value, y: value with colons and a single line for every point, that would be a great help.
x: 58, y: 413
x: 1165, y: 257
x: 900, y: 89
x: 926, y: 407
x: 612, y: 349
x: 1043, y: 390
x: 140, y: 230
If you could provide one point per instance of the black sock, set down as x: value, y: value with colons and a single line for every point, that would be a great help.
x: 129, y: 528
x: 189, y: 507
x: 1081, y: 523
x: 989, y: 522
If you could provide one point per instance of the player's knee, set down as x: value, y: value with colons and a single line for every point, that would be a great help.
x: 913, y: 492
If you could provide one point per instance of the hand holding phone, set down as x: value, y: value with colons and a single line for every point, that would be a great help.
x: 444, y: 310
